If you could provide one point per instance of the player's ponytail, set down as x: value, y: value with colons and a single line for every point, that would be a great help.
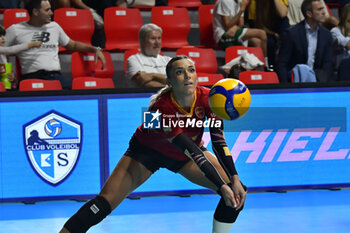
x: 156, y: 96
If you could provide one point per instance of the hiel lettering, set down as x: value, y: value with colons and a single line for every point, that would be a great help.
x: 293, y: 150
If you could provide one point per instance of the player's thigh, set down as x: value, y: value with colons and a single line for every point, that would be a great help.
x: 126, y: 177
x: 192, y: 172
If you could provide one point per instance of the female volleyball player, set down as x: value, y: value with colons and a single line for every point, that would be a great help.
x: 176, y: 147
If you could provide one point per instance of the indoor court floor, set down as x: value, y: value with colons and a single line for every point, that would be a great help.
x: 306, y: 211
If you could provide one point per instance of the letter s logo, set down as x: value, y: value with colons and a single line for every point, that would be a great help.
x: 62, y: 157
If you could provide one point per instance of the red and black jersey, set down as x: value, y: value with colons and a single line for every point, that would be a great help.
x: 175, y: 120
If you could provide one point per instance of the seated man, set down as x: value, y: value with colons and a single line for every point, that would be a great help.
x: 147, y: 69
x: 43, y: 62
x: 307, y: 43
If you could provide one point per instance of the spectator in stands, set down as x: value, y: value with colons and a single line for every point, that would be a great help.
x: 9, y: 79
x: 43, y: 62
x: 341, y: 37
x: 308, y: 43
x: 229, y: 30
x: 271, y: 16
x: 295, y: 15
x: 147, y: 69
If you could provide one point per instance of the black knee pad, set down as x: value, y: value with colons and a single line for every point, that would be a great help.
x: 88, y: 215
x: 226, y: 214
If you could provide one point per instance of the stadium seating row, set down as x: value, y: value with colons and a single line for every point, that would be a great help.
x: 122, y: 25
x: 79, y: 25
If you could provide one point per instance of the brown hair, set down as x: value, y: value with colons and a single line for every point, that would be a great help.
x: 342, y: 22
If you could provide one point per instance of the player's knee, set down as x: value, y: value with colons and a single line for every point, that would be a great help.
x: 226, y: 214
x: 88, y: 215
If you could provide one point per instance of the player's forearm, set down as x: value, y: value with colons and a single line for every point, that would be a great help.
x: 222, y: 152
x: 191, y: 150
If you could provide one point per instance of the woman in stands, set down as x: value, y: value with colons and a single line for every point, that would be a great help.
x: 341, y: 36
x: 176, y: 148
x: 270, y: 16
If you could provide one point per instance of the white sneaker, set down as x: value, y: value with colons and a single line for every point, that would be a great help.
x: 97, y: 18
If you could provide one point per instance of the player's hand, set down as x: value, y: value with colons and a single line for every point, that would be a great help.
x: 228, y: 196
x: 101, y: 57
x: 34, y: 44
x: 238, y: 192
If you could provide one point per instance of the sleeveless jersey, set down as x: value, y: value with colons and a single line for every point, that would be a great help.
x: 175, y: 120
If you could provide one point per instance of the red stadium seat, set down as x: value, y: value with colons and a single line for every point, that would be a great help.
x: 205, y: 21
x: 39, y: 85
x: 92, y: 83
x: 258, y: 77
x: 2, y: 87
x: 208, y: 79
x: 333, y: 5
x: 185, y: 3
x: 127, y: 54
x: 236, y: 51
x: 13, y: 16
x: 175, y: 23
x: 83, y: 64
x: 77, y: 23
x: 122, y: 26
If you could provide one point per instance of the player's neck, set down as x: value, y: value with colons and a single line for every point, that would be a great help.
x: 184, y: 101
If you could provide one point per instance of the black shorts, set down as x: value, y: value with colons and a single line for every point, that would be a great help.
x: 152, y: 159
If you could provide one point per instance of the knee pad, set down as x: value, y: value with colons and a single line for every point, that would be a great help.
x: 88, y: 215
x: 226, y: 214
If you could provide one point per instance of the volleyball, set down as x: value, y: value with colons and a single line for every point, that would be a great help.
x: 53, y: 128
x: 229, y: 99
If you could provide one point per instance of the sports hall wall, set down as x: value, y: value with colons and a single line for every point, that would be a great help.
x: 290, y: 138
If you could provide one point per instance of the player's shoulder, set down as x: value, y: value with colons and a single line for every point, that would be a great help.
x: 163, y: 100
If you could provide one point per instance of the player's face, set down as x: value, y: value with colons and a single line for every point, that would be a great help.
x: 45, y: 12
x: 183, y: 77
x: 318, y: 12
x: 152, y: 44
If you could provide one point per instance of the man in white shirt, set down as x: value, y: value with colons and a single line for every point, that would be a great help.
x: 43, y: 62
x: 147, y: 69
